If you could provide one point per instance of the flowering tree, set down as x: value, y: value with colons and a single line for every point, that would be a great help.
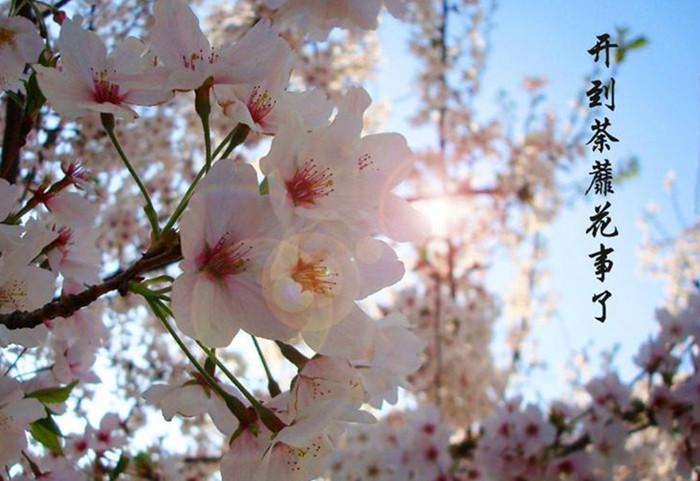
x: 182, y: 207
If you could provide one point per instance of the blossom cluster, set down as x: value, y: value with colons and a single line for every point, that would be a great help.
x: 286, y: 259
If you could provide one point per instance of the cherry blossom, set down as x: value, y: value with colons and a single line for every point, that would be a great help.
x: 226, y: 239
x: 20, y: 44
x: 188, y: 59
x: 191, y: 399
x: 310, y: 281
x: 319, y: 17
x: 89, y: 80
x: 333, y: 174
x: 16, y: 413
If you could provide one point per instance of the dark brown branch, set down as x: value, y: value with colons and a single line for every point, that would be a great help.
x: 66, y: 305
x: 18, y: 125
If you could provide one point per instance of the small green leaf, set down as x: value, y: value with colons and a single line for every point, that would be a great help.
x: 638, y: 42
x: 121, y: 466
x: 46, y: 432
x: 53, y: 395
x: 264, y: 187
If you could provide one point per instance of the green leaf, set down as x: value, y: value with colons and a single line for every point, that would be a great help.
x: 46, y: 432
x: 53, y: 395
x: 639, y: 42
x: 121, y: 466
x: 264, y: 187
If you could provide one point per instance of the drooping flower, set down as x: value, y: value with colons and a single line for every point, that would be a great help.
x: 326, y: 378
x: 192, y: 398
x: 226, y: 237
x: 296, y: 453
x: 20, y: 44
x: 89, y: 80
x: 188, y: 59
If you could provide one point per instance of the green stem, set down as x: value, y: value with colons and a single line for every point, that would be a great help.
x: 235, y: 405
x: 207, y: 143
x: 266, y: 415
x: 238, y: 137
x: 272, y: 385
x: 202, y: 106
x: 292, y: 355
x: 234, y: 138
x: 108, y: 124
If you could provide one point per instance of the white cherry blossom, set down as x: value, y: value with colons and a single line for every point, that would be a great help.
x: 187, y: 58
x: 16, y: 413
x: 89, y: 80
x: 226, y: 238
x: 20, y: 44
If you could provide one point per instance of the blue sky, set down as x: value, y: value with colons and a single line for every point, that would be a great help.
x: 657, y: 119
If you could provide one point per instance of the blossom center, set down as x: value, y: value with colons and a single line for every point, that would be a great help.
x: 7, y: 37
x: 5, y: 422
x: 225, y: 258
x: 314, y: 277
x: 11, y: 295
x: 309, y: 184
x: 104, y: 91
x: 260, y: 104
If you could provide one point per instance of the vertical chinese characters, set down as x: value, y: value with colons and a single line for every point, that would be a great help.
x: 601, y: 95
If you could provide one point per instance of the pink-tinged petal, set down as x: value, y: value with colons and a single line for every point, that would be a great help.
x: 232, y: 99
x: 176, y: 35
x: 291, y: 463
x: 378, y: 265
x: 28, y: 41
x: 25, y: 287
x: 9, y: 194
x: 227, y: 174
x: 83, y: 53
x: 400, y: 221
x: 64, y: 93
x: 313, y: 107
x: 72, y: 209
x: 186, y: 79
x: 347, y: 125
x: 256, y: 317
x: 23, y: 411
x: 326, y: 378
x: 192, y: 237
x: 27, y: 337
x: 245, y: 459
x: 215, y: 318
x: 221, y: 415
x: 350, y: 339
x: 254, y: 57
x: 120, y: 111
x: 183, y: 289
x: 285, y: 147
x: 385, y: 160
x: 147, y: 97
x: 127, y: 57
x: 11, y: 69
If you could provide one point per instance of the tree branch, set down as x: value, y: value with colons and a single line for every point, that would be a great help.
x: 65, y: 306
